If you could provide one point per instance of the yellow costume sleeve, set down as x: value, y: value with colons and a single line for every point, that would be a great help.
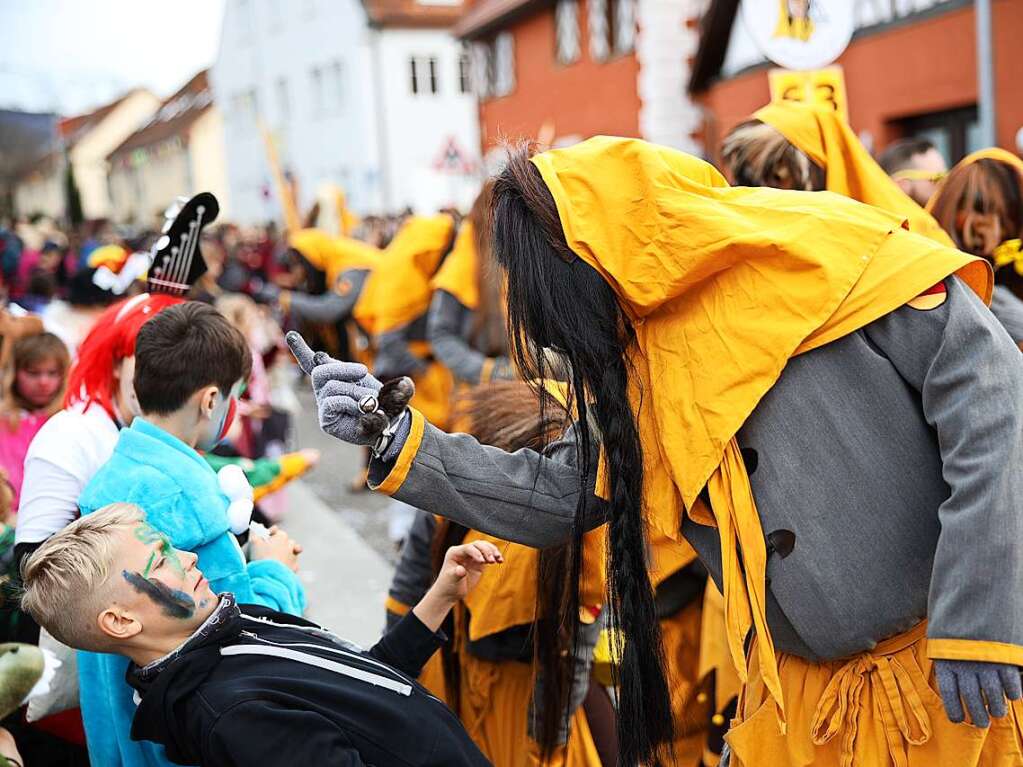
x: 333, y: 255
x: 828, y: 140
x: 699, y: 267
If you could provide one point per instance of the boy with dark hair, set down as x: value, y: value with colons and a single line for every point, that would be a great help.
x: 916, y: 165
x: 225, y: 684
x: 190, y: 365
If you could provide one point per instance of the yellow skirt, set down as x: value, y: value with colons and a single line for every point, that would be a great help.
x: 681, y: 637
x: 495, y: 707
x: 877, y: 709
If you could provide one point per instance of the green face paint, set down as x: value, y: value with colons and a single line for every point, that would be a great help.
x: 150, y: 535
x: 149, y: 564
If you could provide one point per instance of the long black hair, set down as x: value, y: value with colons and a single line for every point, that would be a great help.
x: 557, y: 303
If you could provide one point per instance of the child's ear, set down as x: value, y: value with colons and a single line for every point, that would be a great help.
x: 208, y: 400
x: 117, y: 624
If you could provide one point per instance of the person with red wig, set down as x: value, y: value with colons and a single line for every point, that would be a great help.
x: 73, y: 444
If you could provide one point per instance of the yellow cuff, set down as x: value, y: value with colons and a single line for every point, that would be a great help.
x: 487, y: 370
x: 403, y: 463
x: 975, y: 649
x: 284, y: 301
x: 395, y: 607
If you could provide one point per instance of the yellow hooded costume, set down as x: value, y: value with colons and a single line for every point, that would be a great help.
x: 723, y: 286
x: 399, y: 292
x: 823, y: 136
x: 333, y: 255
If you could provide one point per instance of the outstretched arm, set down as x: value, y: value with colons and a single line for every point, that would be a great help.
x: 526, y: 496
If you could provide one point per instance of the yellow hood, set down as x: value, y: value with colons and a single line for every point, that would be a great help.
x: 828, y: 140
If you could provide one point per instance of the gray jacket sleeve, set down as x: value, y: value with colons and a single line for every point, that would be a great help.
x: 970, y: 377
x: 525, y: 496
x: 393, y: 357
x: 414, y: 573
x: 332, y: 305
x: 446, y: 330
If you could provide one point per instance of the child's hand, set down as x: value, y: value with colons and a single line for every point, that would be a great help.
x: 279, y: 546
x: 463, y: 568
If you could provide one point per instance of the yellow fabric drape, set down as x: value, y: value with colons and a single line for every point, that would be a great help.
x: 333, y: 255
x: 459, y: 274
x: 723, y: 286
x: 399, y: 290
x: 828, y: 140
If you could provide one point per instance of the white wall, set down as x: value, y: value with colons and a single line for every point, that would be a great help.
x: 416, y: 127
x: 324, y: 133
x: 41, y: 194
x: 142, y: 192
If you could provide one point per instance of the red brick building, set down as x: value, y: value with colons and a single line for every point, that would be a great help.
x: 911, y: 69
x: 569, y: 69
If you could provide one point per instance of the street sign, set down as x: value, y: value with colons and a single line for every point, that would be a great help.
x: 453, y: 160
x: 821, y: 87
x: 800, y: 34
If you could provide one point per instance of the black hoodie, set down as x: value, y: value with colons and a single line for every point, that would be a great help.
x: 258, y: 687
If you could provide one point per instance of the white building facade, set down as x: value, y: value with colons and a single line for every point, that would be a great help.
x: 335, y: 96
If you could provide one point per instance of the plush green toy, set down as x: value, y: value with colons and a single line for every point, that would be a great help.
x: 21, y: 667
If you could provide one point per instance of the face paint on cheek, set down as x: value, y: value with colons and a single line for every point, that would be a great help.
x: 225, y: 427
x: 174, y: 603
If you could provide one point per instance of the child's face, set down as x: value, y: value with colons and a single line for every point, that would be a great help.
x: 220, y: 417
x: 158, y: 587
x: 39, y: 382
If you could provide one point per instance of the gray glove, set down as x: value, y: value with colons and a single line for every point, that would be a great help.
x: 352, y: 405
x: 970, y: 683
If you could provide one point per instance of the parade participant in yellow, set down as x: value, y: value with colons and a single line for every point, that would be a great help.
x: 864, y: 556
x: 980, y: 204
x: 326, y: 277
x: 394, y: 310
x: 467, y: 326
x: 486, y: 673
x: 790, y: 145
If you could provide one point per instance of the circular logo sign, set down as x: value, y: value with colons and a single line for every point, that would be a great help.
x: 799, y: 34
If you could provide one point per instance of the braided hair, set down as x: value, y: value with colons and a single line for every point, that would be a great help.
x: 558, y: 303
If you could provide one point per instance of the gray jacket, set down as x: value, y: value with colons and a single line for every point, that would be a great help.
x: 892, y: 458
x: 448, y: 329
x: 331, y: 306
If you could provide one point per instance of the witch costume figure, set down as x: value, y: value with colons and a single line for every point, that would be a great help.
x: 813, y: 398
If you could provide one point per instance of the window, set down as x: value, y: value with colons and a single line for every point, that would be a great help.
x: 482, y: 53
x: 464, y: 85
x: 612, y: 26
x: 283, y: 100
x: 624, y: 25
x: 316, y: 91
x: 431, y: 64
x: 414, y: 75
x: 337, y: 86
x: 954, y: 132
x: 245, y: 24
x: 566, y: 31
x: 504, y: 64
x: 493, y: 66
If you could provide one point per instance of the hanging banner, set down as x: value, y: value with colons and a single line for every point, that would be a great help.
x: 821, y: 87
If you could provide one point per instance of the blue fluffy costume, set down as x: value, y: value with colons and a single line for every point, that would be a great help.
x: 180, y: 495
